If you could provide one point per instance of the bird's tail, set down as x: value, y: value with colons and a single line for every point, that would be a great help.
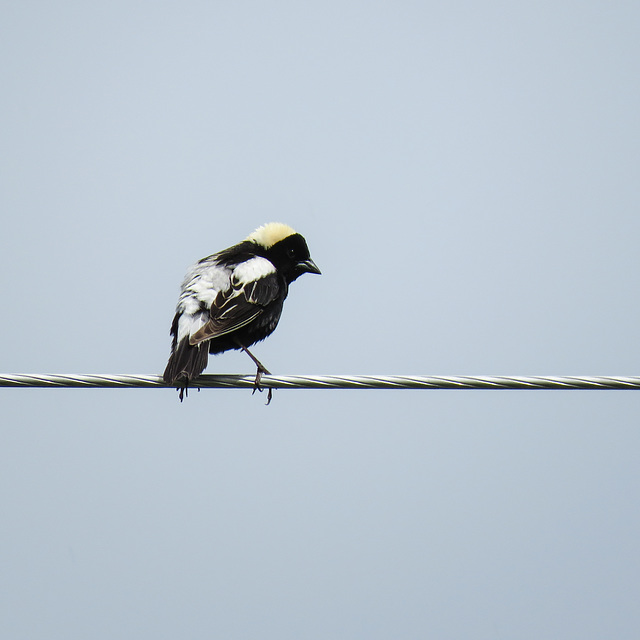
x: 186, y: 362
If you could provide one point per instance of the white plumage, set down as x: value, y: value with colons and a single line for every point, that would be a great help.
x: 252, y: 269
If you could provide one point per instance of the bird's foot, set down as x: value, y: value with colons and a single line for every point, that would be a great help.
x: 261, y: 371
x: 256, y: 383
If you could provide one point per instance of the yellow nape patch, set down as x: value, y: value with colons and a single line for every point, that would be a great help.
x: 268, y: 234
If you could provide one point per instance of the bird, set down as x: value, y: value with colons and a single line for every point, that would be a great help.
x: 233, y: 299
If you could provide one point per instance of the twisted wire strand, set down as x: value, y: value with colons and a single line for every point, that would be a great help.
x: 228, y: 381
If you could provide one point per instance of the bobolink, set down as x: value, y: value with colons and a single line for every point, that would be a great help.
x: 233, y: 299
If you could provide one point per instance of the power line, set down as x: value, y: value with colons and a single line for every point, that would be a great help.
x: 231, y: 381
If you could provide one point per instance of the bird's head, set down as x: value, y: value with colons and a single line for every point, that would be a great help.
x: 285, y: 249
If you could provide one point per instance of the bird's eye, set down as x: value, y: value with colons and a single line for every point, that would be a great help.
x: 291, y: 253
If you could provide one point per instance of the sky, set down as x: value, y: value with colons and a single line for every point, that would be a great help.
x: 466, y: 176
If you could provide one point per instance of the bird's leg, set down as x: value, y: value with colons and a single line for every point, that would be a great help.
x: 261, y: 370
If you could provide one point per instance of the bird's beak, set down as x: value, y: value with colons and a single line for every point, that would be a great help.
x: 308, y: 266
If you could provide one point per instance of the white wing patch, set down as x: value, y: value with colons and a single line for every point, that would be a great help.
x: 252, y: 270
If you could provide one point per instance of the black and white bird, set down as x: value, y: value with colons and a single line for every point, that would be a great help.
x: 233, y: 299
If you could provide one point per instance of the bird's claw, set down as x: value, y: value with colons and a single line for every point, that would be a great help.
x: 256, y: 383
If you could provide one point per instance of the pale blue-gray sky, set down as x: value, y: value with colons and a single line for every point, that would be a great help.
x: 466, y: 175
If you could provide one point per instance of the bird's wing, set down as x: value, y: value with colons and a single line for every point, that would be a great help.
x: 242, y: 302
